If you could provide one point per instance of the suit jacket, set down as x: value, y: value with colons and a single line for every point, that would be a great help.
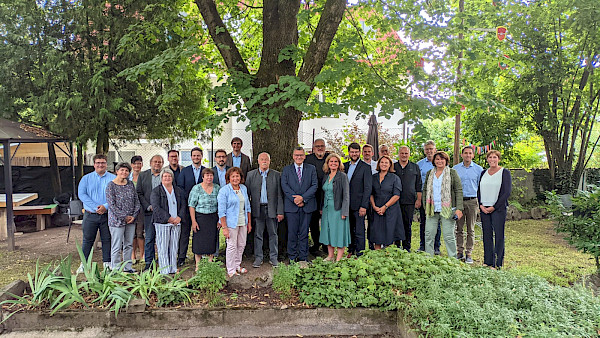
x: 216, y: 178
x: 144, y: 189
x: 360, y: 185
x: 341, y: 192
x: 245, y: 164
x: 307, y: 188
x: 274, y: 192
x: 160, y: 204
x: 187, y: 180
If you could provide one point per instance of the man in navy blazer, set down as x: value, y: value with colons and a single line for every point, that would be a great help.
x: 188, y: 178
x: 221, y: 168
x: 299, y: 185
x: 361, y: 183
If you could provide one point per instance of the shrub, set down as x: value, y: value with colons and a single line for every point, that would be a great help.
x: 284, y: 279
x: 479, y: 302
x: 581, y: 223
x: 209, y: 279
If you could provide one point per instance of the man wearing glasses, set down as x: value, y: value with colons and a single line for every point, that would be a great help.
x: 92, y: 192
x: 173, y: 158
x: 221, y: 168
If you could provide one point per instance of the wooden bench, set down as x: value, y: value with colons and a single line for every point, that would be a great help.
x: 43, y: 213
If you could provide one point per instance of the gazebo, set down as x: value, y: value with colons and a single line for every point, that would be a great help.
x: 14, y: 134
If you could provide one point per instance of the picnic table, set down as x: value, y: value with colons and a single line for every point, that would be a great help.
x: 18, y: 199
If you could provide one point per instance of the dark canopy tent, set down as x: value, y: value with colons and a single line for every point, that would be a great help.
x: 16, y: 133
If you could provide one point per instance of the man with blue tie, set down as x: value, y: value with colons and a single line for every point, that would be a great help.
x: 299, y: 185
x: 188, y: 178
x: 361, y: 183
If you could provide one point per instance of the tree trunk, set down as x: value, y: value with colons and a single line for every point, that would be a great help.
x: 279, y: 141
x: 54, y: 171
x: 102, y: 142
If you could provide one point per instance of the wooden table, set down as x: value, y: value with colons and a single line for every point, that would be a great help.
x: 18, y: 199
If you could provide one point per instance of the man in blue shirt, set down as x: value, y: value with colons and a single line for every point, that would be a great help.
x: 238, y: 159
x: 469, y: 173
x: 425, y: 165
x: 92, y: 192
x: 221, y: 167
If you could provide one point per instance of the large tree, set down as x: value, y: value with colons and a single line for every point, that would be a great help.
x: 542, y: 75
x: 97, y: 69
x: 285, y: 60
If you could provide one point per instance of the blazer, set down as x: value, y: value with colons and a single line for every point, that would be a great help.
x: 160, y: 204
x: 274, y: 192
x: 307, y: 188
x: 144, y: 189
x: 229, y: 205
x: 503, y: 194
x: 187, y: 180
x: 455, y: 186
x: 341, y: 192
x: 245, y: 164
x: 216, y: 178
x: 361, y: 184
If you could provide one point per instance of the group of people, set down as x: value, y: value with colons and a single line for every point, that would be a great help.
x: 318, y: 193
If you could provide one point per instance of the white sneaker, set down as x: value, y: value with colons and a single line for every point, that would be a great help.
x: 80, y: 269
x: 106, y: 265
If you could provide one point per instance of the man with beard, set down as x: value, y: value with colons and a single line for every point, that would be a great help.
x: 361, y: 183
x: 317, y: 159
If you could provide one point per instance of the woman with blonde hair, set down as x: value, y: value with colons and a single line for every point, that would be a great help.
x: 335, y: 226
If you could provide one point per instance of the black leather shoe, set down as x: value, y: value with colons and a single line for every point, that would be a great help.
x: 181, y: 262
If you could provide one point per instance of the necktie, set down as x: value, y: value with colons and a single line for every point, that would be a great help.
x: 299, y: 175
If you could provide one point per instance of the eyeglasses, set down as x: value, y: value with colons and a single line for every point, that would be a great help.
x: 221, y: 156
x: 100, y: 163
x: 319, y: 146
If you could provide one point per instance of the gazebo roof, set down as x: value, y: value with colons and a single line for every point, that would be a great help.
x: 21, y: 132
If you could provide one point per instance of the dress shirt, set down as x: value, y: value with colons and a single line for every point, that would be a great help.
x: 425, y: 165
x: 221, y: 174
x: 437, y: 192
x: 351, y: 169
x: 155, y: 180
x: 92, y: 190
x: 373, y: 167
x: 263, y: 187
x: 197, y: 172
x: 237, y: 160
x: 469, y: 177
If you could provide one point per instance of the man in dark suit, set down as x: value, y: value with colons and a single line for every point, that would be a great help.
x: 188, y: 178
x: 410, y: 199
x: 299, y: 185
x: 173, y: 158
x: 148, y: 180
x: 361, y: 183
x: 317, y: 158
x: 221, y: 168
x: 266, y: 201
x: 238, y: 159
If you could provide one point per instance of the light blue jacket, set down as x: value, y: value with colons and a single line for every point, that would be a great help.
x: 229, y: 205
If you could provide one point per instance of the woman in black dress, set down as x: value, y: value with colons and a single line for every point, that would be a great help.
x: 203, y: 213
x: 386, y: 226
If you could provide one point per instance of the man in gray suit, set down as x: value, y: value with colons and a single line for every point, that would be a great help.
x: 147, y: 181
x: 266, y: 201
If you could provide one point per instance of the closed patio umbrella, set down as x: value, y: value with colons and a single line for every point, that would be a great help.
x: 373, y: 136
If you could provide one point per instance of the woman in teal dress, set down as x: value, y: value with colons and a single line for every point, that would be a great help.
x: 335, y: 228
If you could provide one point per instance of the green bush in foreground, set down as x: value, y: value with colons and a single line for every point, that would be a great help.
x: 443, y: 297
x: 284, y: 279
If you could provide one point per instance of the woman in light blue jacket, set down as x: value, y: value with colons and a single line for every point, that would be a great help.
x: 234, y: 212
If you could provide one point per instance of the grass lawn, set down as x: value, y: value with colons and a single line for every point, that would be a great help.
x: 532, y: 246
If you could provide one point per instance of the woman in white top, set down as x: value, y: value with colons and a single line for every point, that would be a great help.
x: 495, y: 186
x: 234, y: 212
